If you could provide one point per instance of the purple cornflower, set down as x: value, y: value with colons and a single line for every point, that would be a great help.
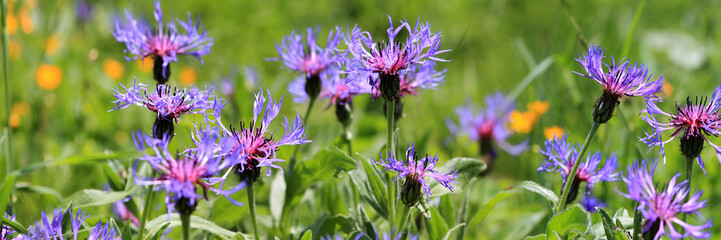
x: 590, y: 203
x: 388, y: 59
x: 622, y: 79
x: 256, y: 150
x: 5, y: 230
x: 52, y: 228
x: 309, y: 58
x: 181, y: 174
x: 414, y: 170
x: 697, y: 120
x: 168, y: 103
x: 560, y: 157
x: 660, y: 208
x: 487, y: 126
x: 162, y: 43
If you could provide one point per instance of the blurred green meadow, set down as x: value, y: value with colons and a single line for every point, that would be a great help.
x: 63, y: 65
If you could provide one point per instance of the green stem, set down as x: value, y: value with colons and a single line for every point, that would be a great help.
x: 576, y: 163
x: 404, y: 220
x: 251, y: 205
x: 390, y: 112
x: 689, y: 174
x: 291, y: 163
x: 348, y: 140
x: 185, y: 221
x: 636, y: 222
x: 146, y: 211
x: 6, y: 69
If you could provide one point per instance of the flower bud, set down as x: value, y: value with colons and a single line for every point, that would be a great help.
x: 163, y: 127
x: 312, y: 85
x: 691, y: 145
x: 343, y: 113
x: 411, y: 190
x: 185, y: 206
x: 604, y: 108
x: 250, y: 174
x: 390, y: 86
x: 160, y: 73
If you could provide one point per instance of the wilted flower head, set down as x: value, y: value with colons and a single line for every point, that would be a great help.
x: 168, y: 103
x: 560, y: 157
x: 181, y: 174
x: 414, y: 171
x: 162, y: 43
x: 487, y: 126
x: 660, y: 208
x: 256, y: 149
x: 388, y: 59
x: 622, y: 79
x: 696, y: 120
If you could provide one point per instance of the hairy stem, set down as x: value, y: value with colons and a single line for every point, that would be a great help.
x: 390, y: 112
x: 689, y: 174
x: 291, y: 163
x: 146, y: 211
x: 576, y: 163
x: 251, y: 206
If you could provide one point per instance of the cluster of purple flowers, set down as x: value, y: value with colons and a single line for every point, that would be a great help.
x: 56, y: 227
x: 661, y: 207
x: 414, y: 171
x: 163, y: 43
x: 560, y: 157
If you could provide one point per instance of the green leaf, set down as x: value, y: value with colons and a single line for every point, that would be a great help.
x: 446, y: 209
x: 544, y: 192
x: 636, y: 222
x: 468, y: 168
x: 325, y: 225
x: 437, y: 227
x: 608, y: 224
x: 564, y: 223
x: 535, y: 72
x: 277, y: 190
x: 195, y: 223
x: 323, y: 166
x: 357, y: 235
x: 94, y: 197
x: 241, y: 236
x: 125, y: 232
x: 71, y: 160
x: 25, y: 186
x: 370, y: 185
x: 363, y: 223
x: 621, y: 234
x: 537, y: 237
x: 450, y: 232
x: 14, y: 225
x: 156, y: 233
x: 307, y: 235
x: 7, y: 189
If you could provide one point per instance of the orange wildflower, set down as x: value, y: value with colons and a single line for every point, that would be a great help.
x: 549, y: 132
x: 113, y: 69
x: 48, y: 76
x: 188, y: 76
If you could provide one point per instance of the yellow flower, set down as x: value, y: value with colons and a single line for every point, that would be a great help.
x: 15, y: 49
x: 21, y: 108
x: 522, y: 122
x: 14, y: 120
x: 48, y: 76
x: 26, y: 23
x: 667, y: 89
x: 188, y: 76
x: 51, y: 45
x: 538, y: 107
x: 145, y: 64
x: 11, y: 24
x: 113, y: 69
x: 553, y: 131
